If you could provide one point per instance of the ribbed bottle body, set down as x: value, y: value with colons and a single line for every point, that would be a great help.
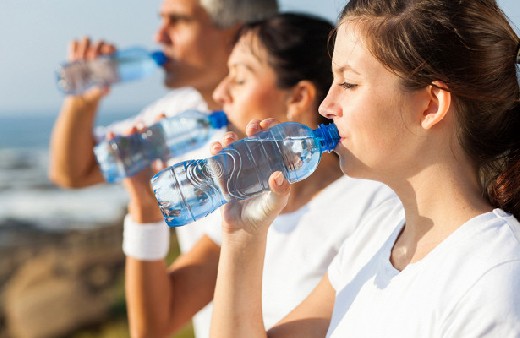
x: 192, y: 189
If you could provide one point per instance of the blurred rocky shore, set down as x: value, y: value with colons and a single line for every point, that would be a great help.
x: 54, y: 281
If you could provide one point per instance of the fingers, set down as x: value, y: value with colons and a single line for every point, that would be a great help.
x: 276, y: 199
x: 255, y: 125
x: 110, y: 135
x: 137, y: 127
x: 268, y: 123
x: 85, y: 49
x: 158, y: 165
x: 159, y: 117
x: 279, y: 185
x: 269, y: 205
x: 226, y: 140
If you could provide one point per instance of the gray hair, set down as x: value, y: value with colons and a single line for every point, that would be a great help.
x: 226, y: 13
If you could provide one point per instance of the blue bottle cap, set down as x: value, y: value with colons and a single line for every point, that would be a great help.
x: 328, y: 135
x: 159, y: 57
x: 218, y: 119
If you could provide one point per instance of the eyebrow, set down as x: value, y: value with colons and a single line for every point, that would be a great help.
x: 241, y: 65
x: 344, y: 68
x: 175, y: 16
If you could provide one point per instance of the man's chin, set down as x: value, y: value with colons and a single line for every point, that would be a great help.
x: 169, y: 81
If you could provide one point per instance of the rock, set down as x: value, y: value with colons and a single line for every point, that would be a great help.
x: 63, y: 281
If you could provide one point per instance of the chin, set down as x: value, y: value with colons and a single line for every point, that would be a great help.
x: 351, y: 167
x: 169, y: 82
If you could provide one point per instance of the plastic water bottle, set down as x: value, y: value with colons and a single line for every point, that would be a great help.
x: 190, y: 190
x: 125, y: 156
x: 122, y: 66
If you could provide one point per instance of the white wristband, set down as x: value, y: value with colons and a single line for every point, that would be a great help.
x: 145, y: 241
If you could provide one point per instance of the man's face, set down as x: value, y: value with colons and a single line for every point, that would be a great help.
x: 196, y: 48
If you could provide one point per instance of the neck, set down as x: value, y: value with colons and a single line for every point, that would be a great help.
x: 207, y: 95
x: 302, y: 192
x: 438, y: 200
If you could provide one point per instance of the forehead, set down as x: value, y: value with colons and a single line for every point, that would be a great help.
x: 180, y: 6
x: 349, y: 47
x: 249, y: 49
x: 351, y: 52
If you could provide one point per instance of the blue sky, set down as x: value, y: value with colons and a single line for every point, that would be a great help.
x: 34, y: 35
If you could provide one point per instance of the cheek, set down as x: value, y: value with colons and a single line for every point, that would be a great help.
x: 261, y: 103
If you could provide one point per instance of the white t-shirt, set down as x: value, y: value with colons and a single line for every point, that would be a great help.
x: 175, y: 102
x: 301, y: 244
x: 468, y: 286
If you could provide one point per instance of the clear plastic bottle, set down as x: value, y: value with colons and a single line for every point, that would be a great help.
x: 124, y: 65
x: 125, y: 156
x: 190, y: 190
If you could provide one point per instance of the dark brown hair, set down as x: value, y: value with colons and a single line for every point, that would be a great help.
x: 470, y: 46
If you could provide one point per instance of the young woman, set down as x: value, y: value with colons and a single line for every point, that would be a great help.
x: 426, y: 98
x: 278, y: 67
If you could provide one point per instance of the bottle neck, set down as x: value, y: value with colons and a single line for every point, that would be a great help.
x: 218, y: 119
x: 159, y: 57
x: 328, y: 136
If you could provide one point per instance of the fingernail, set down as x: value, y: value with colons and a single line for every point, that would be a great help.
x: 279, y: 178
x: 215, y: 146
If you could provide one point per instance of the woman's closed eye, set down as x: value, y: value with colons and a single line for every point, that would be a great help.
x: 347, y: 85
x: 238, y: 81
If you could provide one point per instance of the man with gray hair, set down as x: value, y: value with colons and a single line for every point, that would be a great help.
x: 197, y: 37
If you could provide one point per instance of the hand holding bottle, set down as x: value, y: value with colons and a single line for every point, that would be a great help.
x: 256, y: 213
x: 125, y: 155
x: 142, y: 205
x: 100, y: 65
x: 190, y: 190
x: 84, y: 50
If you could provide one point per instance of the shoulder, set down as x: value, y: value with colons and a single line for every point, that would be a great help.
x: 491, y: 304
x: 483, y: 282
x: 174, y: 102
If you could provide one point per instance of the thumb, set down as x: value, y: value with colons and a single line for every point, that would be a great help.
x: 276, y: 199
x: 279, y: 185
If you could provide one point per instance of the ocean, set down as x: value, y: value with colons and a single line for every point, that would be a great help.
x: 26, y: 193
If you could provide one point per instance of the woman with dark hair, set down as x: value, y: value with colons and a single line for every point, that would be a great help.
x: 426, y: 99
x: 278, y: 68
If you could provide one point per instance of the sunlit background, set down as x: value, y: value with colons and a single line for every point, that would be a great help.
x: 60, y: 254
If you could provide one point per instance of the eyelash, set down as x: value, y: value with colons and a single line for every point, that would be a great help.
x: 238, y: 82
x: 346, y: 85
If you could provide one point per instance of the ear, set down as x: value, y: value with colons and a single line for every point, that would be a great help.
x: 301, y: 100
x: 440, y: 102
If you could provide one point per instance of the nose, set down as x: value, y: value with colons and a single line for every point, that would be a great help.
x: 221, y: 93
x: 330, y: 107
x: 161, y: 35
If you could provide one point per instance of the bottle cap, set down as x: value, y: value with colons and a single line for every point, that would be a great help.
x: 159, y: 57
x: 218, y: 119
x: 328, y: 135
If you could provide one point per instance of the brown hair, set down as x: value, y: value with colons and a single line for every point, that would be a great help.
x: 470, y: 46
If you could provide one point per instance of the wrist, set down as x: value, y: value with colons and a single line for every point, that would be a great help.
x: 81, y: 105
x: 144, y: 211
x: 145, y: 241
x: 242, y: 239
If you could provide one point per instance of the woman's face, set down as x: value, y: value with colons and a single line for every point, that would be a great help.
x: 250, y: 91
x: 375, y: 117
